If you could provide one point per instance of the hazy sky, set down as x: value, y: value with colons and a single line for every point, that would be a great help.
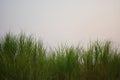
x: 60, y: 21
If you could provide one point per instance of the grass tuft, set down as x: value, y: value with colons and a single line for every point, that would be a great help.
x: 23, y: 58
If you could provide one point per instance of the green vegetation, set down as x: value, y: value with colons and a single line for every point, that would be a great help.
x: 23, y: 58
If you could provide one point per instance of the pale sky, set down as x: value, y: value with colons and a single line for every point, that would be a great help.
x: 60, y: 21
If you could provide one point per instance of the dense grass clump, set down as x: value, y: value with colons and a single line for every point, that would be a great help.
x: 23, y: 58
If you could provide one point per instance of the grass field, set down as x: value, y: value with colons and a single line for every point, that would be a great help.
x: 24, y: 58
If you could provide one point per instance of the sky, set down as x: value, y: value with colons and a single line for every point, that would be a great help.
x: 62, y: 21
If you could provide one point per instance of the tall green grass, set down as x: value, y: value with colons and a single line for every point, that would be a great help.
x: 24, y: 58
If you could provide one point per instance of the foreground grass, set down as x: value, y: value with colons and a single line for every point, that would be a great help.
x: 23, y: 58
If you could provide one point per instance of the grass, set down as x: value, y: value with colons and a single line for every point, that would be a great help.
x: 24, y: 58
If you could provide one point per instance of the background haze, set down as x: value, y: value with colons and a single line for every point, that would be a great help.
x: 60, y: 21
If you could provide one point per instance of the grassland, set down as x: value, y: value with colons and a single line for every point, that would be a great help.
x: 24, y: 58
